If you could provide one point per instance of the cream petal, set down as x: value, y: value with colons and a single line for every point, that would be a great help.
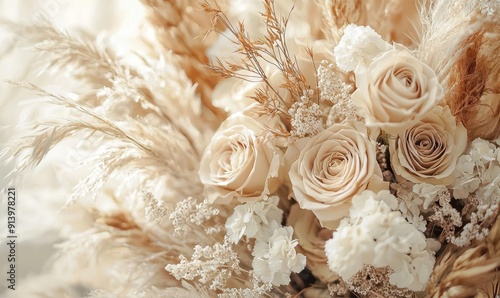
x: 395, y: 89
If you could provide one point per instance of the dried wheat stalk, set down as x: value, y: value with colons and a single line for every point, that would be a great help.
x: 178, y: 27
x: 468, y: 272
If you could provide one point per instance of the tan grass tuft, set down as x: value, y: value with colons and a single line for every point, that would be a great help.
x: 474, y: 95
x: 468, y: 272
x: 468, y: 69
x: 179, y: 26
x: 394, y: 20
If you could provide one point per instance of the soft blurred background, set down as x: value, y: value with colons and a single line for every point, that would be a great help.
x: 35, y: 218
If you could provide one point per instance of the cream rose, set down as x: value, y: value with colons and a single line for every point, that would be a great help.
x: 240, y: 162
x: 395, y: 90
x: 428, y: 151
x: 331, y: 168
x: 312, y: 238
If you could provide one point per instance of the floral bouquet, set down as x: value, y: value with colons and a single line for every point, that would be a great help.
x: 325, y: 148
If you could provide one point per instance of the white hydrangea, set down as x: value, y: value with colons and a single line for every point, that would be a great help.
x: 276, y: 258
x: 477, y: 180
x: 358, y: 45
x: 429, y: 192
x: 479, y: 172
x: 410, y: 204
x: 377, y: 234
x: 254, y: 220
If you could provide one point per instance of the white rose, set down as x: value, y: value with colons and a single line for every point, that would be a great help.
x: 428, y: 151
x: 240, y: 162
x: 395, y: 90
x: 331, y: 168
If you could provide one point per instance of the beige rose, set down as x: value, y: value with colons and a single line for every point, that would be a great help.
x: 395, y: 90
x: 428, y: 151
x: 312, y: 237
x: 240, y: 162
x: 331, y: 168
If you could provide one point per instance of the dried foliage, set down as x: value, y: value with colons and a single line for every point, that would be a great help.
x: 338, y: 14
x: 370, y: 282
x: 178, y: 27
x: 124, y: 249
x: 150, y: 119
x: 138, y: 146
x: 113, y: 84
x: 271, y: 48
x: 469, y: 69
x: 468, y: 272
x: 395, y: 20
x: 473, y: 102
x: 78, y: 53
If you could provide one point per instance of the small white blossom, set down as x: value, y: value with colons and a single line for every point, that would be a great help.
x: 478, y: 172
x: 429, y: 192
x: 190, y: 212
x: 410, y: 204
x: 213, y: 265
x: 358, y: 45
x: 154, y: 209
x: 275, y: 259
x: 473, y: 229
x: 254, y: 220
x: 377, y: 234
x: 306, y: 117
x: 488, y: 7
x: 333, y: 89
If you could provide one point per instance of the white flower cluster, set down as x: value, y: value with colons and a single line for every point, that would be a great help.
x: 488, y: 7
x: 429, y: 193
x: 306, y: 117
x: 473, y: 229
x: 477, y: 175
x: 188, y: 212
x: 254, y: 220
x: 377, y: 234
x: 276, y: 258
x: 333, y: 89
x: 358, y: 45
x: 154, y: 209
x: 258, y: 290
x: 215, y: 263
x: 410, y: 204
x: 479, y: 172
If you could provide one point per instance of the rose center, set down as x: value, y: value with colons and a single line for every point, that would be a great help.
x: 336, y: 163
x: 406, y: 78
x: 424, y: 144
x: 233, y: 158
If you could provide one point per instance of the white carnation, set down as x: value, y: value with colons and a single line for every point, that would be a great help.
x: 275, y: 259
x: 254, y: 220
x: 358, y: 45
x: 377, y: 234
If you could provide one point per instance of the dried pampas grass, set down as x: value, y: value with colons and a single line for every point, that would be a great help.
x: 394, y: 20
x: 151, y: 117
x: 130, y: 112
x: 179, y: 27
x: 469, y: 68
x: 468, y: 272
